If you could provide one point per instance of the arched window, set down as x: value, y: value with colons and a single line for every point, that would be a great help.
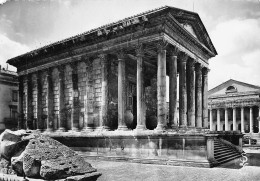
x: 231, y: 89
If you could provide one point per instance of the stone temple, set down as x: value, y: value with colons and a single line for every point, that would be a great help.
x: 103, y: 92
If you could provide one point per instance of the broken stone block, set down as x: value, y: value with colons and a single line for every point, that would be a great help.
x: 10, y: 144
x: 64, y: 167
x: 86, y: 177
x: 17, y: 164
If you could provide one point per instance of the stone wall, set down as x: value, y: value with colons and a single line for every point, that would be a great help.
x: 44, y: 98
x: 96, y: 91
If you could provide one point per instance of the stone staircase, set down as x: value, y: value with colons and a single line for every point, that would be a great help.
x: 224, y: 153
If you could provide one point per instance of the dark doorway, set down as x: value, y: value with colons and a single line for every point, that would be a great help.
x: 134, y: 112
x: 231, y: 127
x: 239, y: 127
x: 223, y: 127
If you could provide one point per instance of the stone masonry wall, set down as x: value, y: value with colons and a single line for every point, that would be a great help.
x: 44, y: 97
x: 34, y: 97
x: 24, y: 98
x: 82, y: 90
x: 97, y: 77
x: 55, y: 79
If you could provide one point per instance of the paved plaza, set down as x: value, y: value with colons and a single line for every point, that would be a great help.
x: 133, y: 171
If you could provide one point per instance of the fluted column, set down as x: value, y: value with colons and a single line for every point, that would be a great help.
x: 183, y: 91
x: 121, y: 91
x: 234, y: 119
x: 251, y: 120
x: 161, y: 85
x: 49, y: 100
x: 226, y: 120
x: 242, y: 120
x: 20, y: 104
x: 75, y: 109
x: 198, y: 95
x: 205, y: 97
x: 40, y: 123
x: 218, y: 120
x: 140, y: 90
x: 62, y: 120
x: 211, y: 120
x: 190, y: 93
x: 173, y: 122
x: 104, y: 90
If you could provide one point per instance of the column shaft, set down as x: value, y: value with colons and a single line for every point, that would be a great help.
x: 121, y: 91
x: 251, y: 120
x: 104, y: 86
x: 234, y: 120
x: 205, y: 97
x: 218, y: 120
x: 211, y: 120
x: 198, y: 95
x: 140, y: 90
x: 191, y: 93
x: 29, y: 119
x: 62, y: 119
x: 20, y: 104
x: 40, y: 123
x: 49, y: 101
x: 75, y: 110
x: 173, y: 89
x: 258, y: 119
x: 161, y: 87
x: 226, y: 120
x: 87, y: 117
x: 183, y: 92
x: 242, y: 120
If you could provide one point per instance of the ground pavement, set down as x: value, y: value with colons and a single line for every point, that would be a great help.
x: 123, y: 171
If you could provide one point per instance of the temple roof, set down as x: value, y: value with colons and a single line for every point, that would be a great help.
x: 233, y: 86
x: 189, y: 21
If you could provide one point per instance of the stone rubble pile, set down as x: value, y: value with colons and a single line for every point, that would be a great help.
x: 34, y: 155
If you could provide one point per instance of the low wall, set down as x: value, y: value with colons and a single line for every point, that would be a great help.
x: 171, y: 149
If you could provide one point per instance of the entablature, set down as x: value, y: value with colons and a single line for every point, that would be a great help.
x: 250, y: 102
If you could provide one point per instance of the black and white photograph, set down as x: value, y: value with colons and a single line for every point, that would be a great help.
x: 130, y: 90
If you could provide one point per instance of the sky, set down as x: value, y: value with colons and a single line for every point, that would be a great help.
x: 233, y: 26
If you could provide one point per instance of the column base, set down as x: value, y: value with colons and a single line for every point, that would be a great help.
x: 87, y: 129
x: 61, y: 129
x: 48, y: 130
x: 140, y: 127
x: 102, y: 128
x: 122, y: 128
x: 159, y: 128
x: 39, y: 130
x: 74, y: 129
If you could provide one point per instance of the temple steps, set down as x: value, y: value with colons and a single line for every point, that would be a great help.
x: 224, y: 153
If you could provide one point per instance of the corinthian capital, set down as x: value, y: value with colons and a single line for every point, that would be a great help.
x: 121, y: 54
x: 174, y: 51
x: 205, y: 71
x: 162, y: 45
x: 183, y: 57
x: 139, y: 50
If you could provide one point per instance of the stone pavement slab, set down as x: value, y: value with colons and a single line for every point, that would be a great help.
x: 124, y: 171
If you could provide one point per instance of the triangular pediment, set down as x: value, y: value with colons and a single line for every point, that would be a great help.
x: 192, y: 23
x: 233, y: 87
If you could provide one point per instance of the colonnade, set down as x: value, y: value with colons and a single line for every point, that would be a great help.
x: 193, y: 86
x: 234, y: 119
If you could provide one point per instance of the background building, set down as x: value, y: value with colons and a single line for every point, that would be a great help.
x: 234, y: 105
x: 8, y: 99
